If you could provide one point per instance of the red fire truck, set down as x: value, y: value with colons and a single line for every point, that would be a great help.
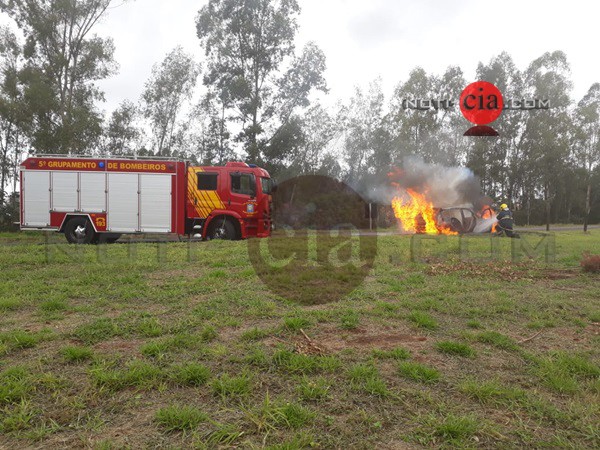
x: 97, y: 199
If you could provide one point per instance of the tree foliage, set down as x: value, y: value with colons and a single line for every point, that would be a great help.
x: 169, y: 87
x: 63, y: 59
x: 253, y: 67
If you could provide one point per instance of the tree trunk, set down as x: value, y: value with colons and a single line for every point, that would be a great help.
x: 588, y: 206
x: 4, y: 170
x: 547, y: 201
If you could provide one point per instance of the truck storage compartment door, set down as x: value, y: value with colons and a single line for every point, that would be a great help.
x: 36, y: 193
x: 64, y: 191
x: 123, y: 205
x: 92, y: 192
x: 155, y: 203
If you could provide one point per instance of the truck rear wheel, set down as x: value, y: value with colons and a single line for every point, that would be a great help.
x: 222, y: 229
x: 79, y: 230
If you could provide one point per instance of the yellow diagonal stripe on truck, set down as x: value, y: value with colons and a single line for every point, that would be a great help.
x: 199, y: 203
x: 207, y: 200
x: 216, y: 200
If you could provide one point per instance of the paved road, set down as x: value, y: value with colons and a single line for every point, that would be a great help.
x: 558, y: 228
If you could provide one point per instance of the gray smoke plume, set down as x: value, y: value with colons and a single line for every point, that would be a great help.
x: 444, y: 186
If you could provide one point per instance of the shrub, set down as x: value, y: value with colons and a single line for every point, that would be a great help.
x: 590, y: 263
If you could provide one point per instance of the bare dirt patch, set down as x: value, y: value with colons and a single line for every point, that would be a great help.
x: 335, y: 339
x: 505, y: 271
x: 126, y: 346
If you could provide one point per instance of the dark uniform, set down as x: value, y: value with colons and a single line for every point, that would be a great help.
x: 506, y: 223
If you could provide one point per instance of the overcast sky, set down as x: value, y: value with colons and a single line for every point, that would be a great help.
x: 365, y: 39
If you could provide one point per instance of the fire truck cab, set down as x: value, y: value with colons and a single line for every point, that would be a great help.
x: 94, y: 200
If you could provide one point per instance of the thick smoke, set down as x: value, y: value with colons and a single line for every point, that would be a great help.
x: 444, y: 186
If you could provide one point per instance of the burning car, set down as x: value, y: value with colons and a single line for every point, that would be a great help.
x: 434, y: 199
x: 417, y: 214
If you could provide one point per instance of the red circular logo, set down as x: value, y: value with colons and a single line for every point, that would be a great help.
x: 481, y: 102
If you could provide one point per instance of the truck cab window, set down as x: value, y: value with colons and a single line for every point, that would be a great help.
x: 267, y: 185
x: 207, y: 181
x: 243, y: 183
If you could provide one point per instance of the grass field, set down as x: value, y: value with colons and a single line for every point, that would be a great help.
x: 151, y: 345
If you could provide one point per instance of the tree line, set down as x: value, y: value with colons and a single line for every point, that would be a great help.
x: 253, y: 96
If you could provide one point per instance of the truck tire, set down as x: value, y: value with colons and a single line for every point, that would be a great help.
x: 79, y: 230
x: 222, y: 229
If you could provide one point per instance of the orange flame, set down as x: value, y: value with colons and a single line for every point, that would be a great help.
x: 418, y: 215
x: 488, y: 213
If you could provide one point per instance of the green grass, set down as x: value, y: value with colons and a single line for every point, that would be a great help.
x: 18, y: 418
x: 191, y: 374
x: 492, y: 392
x: 76, y: 354
x: 208, y: 334
x: 455, y: 427
x: 53, y: 305
x: 295, y: 323
x: 349, y: 320
x: 497, y: 340
x: 270, y: 415
x: 366, y: 378
x: 224, y: 435
x: 418, y: 372
x: 564, y: 372
x: 314, y: 389
x: 98, y: 330
x: 291, y: 362
x: 156, y: 349
x: 18, y: 339
x: 232, y: 386
x: 455, y: 348
x: 474, y: 324
x: 132, y: 352
x: 10, y: 304
x: 136, y: 373
x: 254, y: 334
x: 180, y: 417
x: 150, y: 327
x: 15, y: 384
x: 294, y: 415
x: 396, y: 353
x: 423, y: 320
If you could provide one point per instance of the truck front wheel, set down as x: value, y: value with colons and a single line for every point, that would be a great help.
x: 222, y: 229
x: 79, y: 230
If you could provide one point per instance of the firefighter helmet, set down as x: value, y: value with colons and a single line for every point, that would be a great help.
x: 503, y: 206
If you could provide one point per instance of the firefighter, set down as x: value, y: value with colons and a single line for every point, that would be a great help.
x: 506, y: 222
